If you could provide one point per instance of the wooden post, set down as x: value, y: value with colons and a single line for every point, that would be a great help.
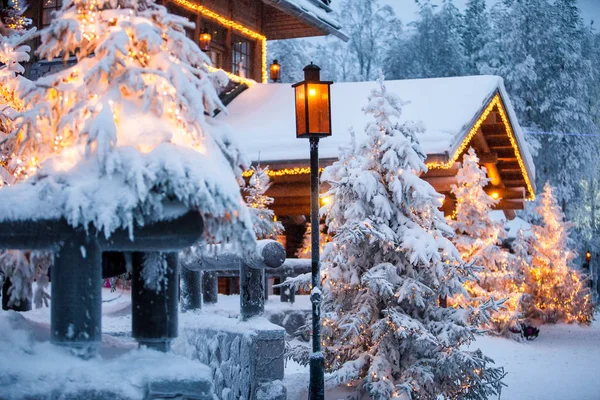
x: 210, y: 287
x: 76, y: 306
x: 191, y: 290
x: 252, y: 301
x: 154, y: 310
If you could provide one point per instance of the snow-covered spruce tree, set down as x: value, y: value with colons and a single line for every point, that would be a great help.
x: 263, y: 218
x: 479, y: 240
x: 557, y: 292
x: 388, y: 265
x: 131, y: 112
x: 124, y: 137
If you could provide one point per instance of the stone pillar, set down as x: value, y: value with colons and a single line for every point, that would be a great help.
x: 76, y: 291
x: 210, y: 287
x: 191, y: 290
x: 23, y: 304
x: 154, y: 310
x: 252, y: 302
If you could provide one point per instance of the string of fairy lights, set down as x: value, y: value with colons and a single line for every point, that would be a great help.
x: 205, y: 12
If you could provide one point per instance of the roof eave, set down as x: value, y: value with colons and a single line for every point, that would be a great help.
x: 300, y: 13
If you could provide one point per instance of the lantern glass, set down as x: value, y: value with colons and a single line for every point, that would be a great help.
x: 301, y: 127
x: 205, y: 39
x: 318, y: 109
x: 275, y: 71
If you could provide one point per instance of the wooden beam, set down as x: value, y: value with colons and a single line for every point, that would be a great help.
x: 442, y: 184
x: 288, y: 190
x: 514, y: 183
x: 507, y: 193
x: 285, y: 211
x: 441, y: 172
x: 488, y: 158
x: 510, y: 205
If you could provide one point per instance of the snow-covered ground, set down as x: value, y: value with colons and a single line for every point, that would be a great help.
x: 563, y: 363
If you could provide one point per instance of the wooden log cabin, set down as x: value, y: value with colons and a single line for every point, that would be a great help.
x: 239, y: 29
x: 456, y: 113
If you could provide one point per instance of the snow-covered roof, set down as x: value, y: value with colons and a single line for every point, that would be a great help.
x: 314, y: 12
x: 263, y: 117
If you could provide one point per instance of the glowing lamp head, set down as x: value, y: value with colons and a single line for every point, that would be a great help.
x: 205, y: 39
x: 325, y: 200
x: 313, y: 105
x: 275, y: 71
x: 588, y: 256
x: 495, y: 195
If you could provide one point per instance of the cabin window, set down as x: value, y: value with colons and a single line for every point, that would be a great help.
x: 49, y: 6
x: 217, y: 43
x: 241, y: 56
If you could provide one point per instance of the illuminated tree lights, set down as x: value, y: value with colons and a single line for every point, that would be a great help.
x: 479, y: 239
x: 388, y: 263
x: 205, y: 12
x: 556, y: 292
x: 496, y: 103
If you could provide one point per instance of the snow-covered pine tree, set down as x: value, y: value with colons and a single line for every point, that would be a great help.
x: 388, y: 264
x: 433, y: 49
x: 475, y: 32
x: 134, y: 109
x: 557, y: 292
x: 263, y: 218
x: 479, y: 240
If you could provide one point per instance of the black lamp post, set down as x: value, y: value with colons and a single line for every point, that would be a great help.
x: 313, y: 121
x: 275, y: 71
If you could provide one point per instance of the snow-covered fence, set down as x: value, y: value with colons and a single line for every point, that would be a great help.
x: 246, y: 357
x: 269, y: 255
x: 75, y: 317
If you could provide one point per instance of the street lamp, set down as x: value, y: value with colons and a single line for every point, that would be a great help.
x: 205, y: 39
x: 275, y: 71
x: 313, y: 121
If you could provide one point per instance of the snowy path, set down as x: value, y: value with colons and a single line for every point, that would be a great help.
x: 562, y: 364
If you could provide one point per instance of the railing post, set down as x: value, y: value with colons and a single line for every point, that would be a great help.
x: 252, y: 302
x: 155, y: 310
x: 191, y: 290
x: 287, y: 294
x: 76, y: 291
x: 210, y: 287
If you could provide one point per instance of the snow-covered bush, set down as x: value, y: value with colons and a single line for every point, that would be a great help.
x: 479, y: 240
x: 387, y: 266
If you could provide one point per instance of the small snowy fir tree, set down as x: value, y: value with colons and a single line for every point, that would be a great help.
x: 263, y: 218
x: 479, y: 240
x: 387, y: 267
x: 324, y: 238
x: 557, y: 292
